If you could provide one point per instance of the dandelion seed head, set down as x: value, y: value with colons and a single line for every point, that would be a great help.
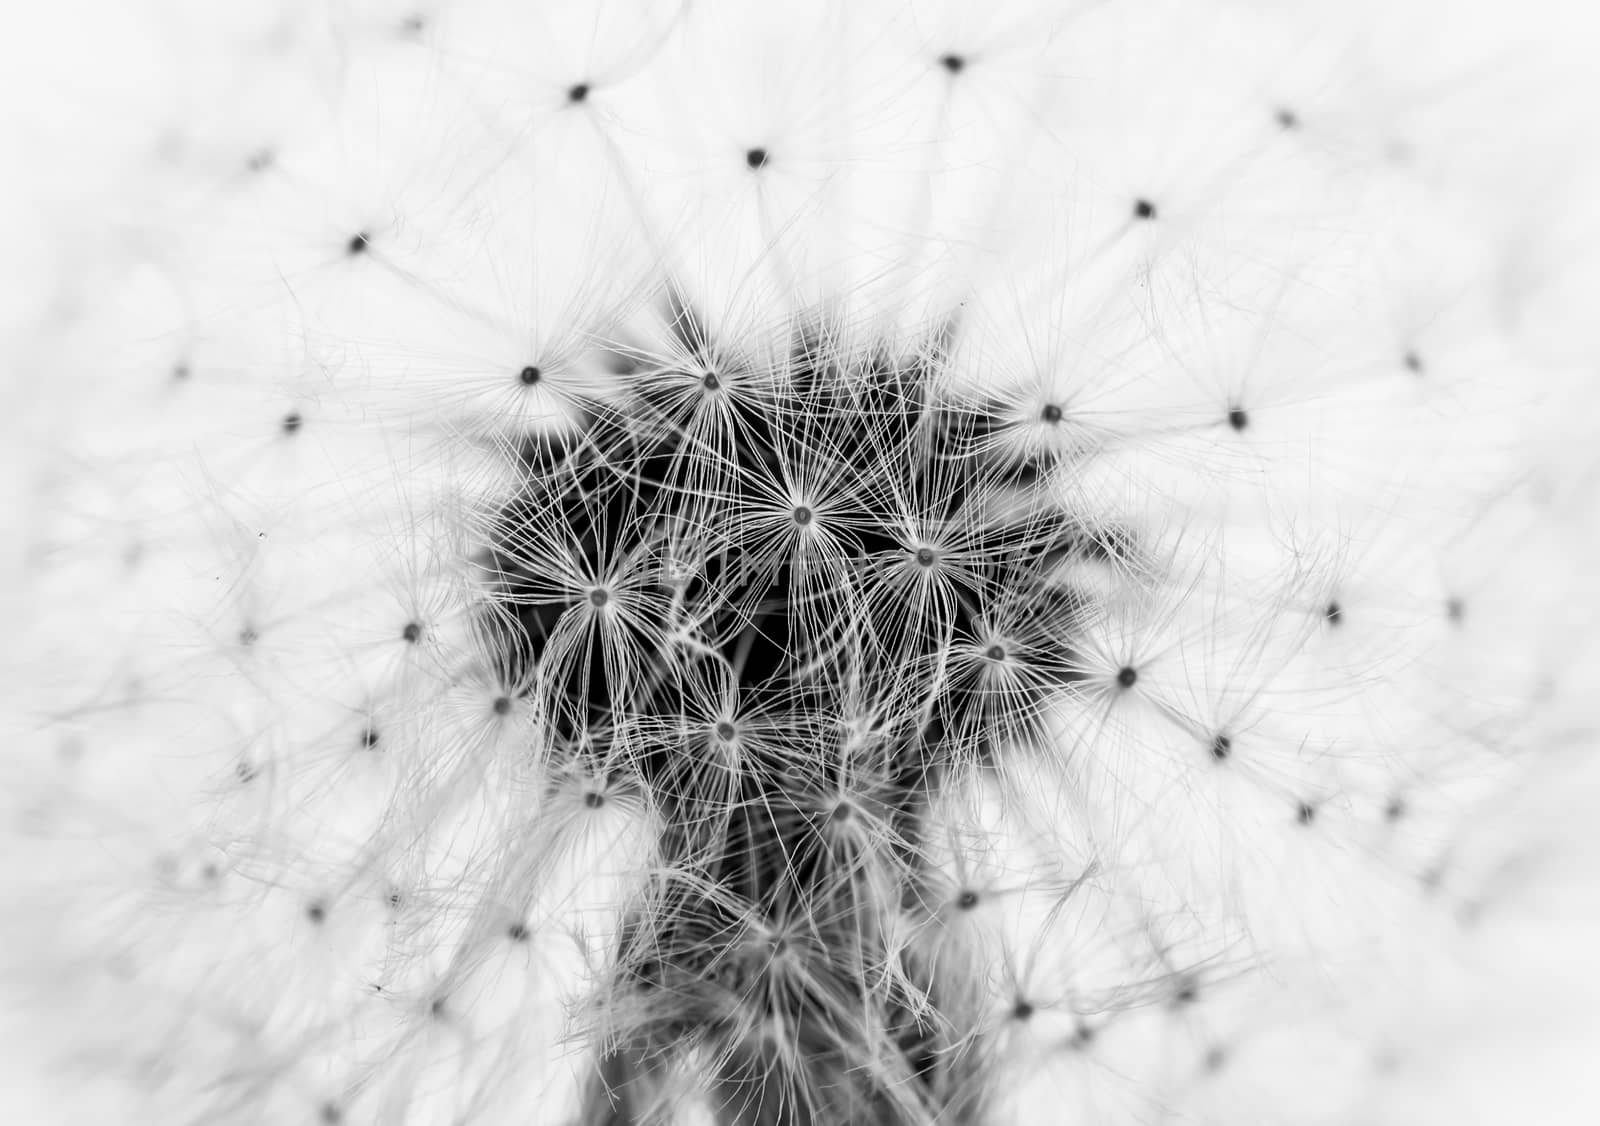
x: 824, y: 586
x: 891, y: 621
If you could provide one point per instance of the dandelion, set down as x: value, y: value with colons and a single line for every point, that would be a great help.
x: 648, y: 563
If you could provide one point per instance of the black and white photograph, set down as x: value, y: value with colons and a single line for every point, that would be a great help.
x: 800, y: 563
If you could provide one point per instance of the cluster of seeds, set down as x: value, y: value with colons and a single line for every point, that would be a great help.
x: 783, y: 600
x: 646, y: 563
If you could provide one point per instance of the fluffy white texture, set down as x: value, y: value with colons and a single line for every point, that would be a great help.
x: 159, y: 898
